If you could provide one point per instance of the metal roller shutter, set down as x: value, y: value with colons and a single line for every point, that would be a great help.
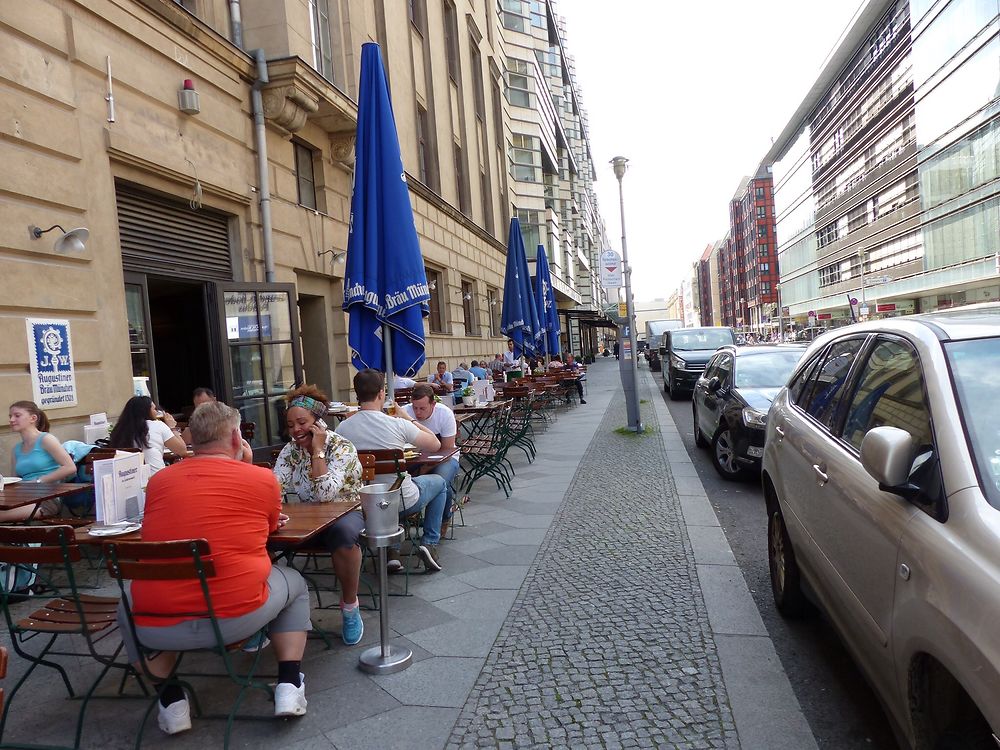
x: 166, y: 237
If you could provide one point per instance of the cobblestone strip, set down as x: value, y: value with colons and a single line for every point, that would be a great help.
x: 608, y: 643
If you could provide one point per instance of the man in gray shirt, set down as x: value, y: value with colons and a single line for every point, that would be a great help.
x: 372, y: 429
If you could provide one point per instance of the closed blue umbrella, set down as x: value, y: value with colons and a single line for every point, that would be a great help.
x: 519, y: 318
x: 545, y: 302
x: 385, y: 287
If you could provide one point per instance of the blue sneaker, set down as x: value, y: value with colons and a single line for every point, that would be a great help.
x: 257, y: 642
x: 353, y: 626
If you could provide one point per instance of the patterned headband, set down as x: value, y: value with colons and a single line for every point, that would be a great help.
x: 310, y: 404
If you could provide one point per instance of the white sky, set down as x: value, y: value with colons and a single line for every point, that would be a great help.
x: 692, y: 93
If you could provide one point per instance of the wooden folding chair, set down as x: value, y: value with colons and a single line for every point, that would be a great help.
x: 183, y: 560
x: 54, y: 625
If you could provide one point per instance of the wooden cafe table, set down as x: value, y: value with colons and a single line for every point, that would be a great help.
x: 18, y: 495
x: 305, y: 520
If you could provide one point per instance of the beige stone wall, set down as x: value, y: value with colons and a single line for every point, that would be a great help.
x: 61, y: 157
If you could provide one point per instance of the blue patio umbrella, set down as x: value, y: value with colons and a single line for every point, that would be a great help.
x: 545, y: 302
x: 385, y: 287
x: 519, y: 318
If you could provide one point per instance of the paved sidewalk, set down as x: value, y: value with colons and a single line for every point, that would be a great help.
x: 599, y: 605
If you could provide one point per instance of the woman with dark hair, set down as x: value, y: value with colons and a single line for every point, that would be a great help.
x: 139, y: 426
x: 320, y: 466
x: 38, y: 457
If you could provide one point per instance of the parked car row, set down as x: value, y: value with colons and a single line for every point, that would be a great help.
x: 878, y: 448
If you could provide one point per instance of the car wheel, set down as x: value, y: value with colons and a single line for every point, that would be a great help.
x: 786, y: 587
x: 724, y: 455
x: 699, y: 439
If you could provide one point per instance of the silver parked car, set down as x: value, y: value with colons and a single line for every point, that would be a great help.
x: 881, y: 475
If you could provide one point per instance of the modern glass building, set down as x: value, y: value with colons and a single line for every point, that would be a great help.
x: 887, y: 178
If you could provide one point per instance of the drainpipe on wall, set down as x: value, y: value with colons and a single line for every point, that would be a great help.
x: 263, y: 181
x: 236, y: 23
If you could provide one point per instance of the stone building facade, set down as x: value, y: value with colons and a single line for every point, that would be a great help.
x: 215, y: 250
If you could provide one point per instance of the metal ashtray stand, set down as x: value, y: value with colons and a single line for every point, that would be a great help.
x: 385, y: 658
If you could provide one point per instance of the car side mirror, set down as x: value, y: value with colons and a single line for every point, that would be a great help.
x: 887, y: 454
x: 714, y: 384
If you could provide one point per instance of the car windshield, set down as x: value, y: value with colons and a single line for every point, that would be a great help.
x: 700, y: 338
x: 770, y: 370
x: 975, y: 365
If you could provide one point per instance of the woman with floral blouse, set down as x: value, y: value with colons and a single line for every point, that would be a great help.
x: 320, y: 466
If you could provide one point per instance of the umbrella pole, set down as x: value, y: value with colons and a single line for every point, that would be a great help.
x: 390, y: 374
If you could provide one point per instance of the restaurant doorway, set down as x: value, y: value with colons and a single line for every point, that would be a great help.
x: 169, y: 335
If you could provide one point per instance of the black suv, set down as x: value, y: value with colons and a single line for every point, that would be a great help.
x: 731, y: 401
x: 684, y: 353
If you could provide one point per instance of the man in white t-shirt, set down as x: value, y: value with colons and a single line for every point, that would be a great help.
x: 440, y: 420
x: 372, y: 429
x: 510, y: 362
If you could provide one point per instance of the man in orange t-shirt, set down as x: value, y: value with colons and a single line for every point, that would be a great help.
x: 234, y: 506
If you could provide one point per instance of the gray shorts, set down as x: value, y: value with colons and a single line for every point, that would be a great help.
x: 286, y: 610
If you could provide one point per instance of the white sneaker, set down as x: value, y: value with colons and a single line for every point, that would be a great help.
x: 290, y: 700
x: 175, y: 718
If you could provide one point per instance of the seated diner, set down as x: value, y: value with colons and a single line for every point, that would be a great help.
x: 319, y: 466
x: 37, y: 457
x: 141, y: 425
x: 372, y: 429
x: 201, y: 396
x: 234, y: 507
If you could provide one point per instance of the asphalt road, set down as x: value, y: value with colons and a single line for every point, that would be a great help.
x: 841, y: 708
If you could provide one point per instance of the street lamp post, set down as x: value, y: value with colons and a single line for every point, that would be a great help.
x: 627, y: 365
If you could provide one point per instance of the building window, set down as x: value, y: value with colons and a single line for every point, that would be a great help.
x: 515, y: 15
x: 531, y: 230
x: 759, y: 193
x: 435, y: 320
x: 451, y: 40
x: 761, y: 212
x: 477, y: 80
x: 469, y: 308
x: 423, y: 148
x: 417, y: 12
x: 304, y: 175
x: 762, y: 231
x: 493, y: 302
x: 460, y: 180
x: 519, y: 83
x: 319, y: 20
x: 526, y: 158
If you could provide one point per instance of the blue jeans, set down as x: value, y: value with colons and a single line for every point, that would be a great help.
x: 432, y: 500
x: 448, y: 470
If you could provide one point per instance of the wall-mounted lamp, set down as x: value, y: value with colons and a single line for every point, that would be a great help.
x: 72, y: 241
x: 188, y: 100
x: 432, y: 285
x: 339, y: 256
x: 467, y: 296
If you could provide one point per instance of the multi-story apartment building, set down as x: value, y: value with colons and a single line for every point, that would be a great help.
x: 748, y: 265
x: 551, y: 165
x: 217, y: 227
x: 886, y: 178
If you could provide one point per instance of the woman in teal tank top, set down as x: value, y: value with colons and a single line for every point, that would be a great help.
x: 37, y: 458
